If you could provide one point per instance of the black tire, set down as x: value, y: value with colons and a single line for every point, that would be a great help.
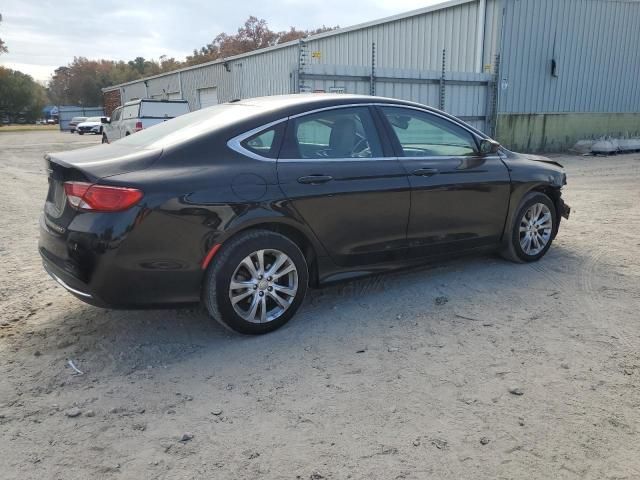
x: 80, y: 132
x: 215, y: 294
x: 513, y: 251
x: 104, y: 138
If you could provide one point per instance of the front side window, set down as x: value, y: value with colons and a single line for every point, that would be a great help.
x: 115, y: 116
x: 333, y: 134
x: 422, y: 134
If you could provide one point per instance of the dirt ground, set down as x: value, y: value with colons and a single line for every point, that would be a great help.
x: 474, y: 368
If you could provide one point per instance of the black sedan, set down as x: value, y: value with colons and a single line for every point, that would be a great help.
x: 244, y: 205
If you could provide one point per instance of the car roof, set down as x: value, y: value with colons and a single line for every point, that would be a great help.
x: 311, y: 100
x: 154, y: 100
x: 299, y: 103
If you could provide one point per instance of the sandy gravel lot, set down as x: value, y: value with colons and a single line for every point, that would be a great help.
x: 399, y: 376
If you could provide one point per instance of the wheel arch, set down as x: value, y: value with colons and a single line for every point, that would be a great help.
x: 309, y: 248
x: 521, y: 191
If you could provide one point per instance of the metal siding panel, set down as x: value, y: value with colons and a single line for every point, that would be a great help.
x: 596, y: 53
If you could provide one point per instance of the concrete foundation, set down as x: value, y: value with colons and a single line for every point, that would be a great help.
x: 557, y: 132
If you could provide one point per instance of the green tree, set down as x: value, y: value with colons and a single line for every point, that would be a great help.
x: 20, y: 95
x: 3, y: 46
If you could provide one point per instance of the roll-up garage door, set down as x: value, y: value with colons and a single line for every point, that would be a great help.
x: 208, y: 97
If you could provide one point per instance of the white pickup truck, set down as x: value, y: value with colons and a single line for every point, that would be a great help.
x: 137, y: 115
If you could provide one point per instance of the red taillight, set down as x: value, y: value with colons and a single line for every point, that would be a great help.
x: 138, y: 126
x: 100, y: 198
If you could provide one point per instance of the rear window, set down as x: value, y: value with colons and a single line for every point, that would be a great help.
x: 163, y: 109
x: 191, y: 125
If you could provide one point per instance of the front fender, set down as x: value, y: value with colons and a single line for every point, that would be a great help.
x: 533, y: 173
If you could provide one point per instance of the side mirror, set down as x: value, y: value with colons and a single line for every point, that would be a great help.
x: 105, y: 120
x: 489, y: 146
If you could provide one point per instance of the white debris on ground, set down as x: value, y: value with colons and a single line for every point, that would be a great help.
x: 607, y: 146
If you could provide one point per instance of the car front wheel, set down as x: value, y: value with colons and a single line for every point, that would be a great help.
x: 533, y: 229
x: 104, y: 138
x: 256, y: 282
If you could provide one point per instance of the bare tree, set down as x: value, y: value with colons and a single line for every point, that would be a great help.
x: 3, y: 46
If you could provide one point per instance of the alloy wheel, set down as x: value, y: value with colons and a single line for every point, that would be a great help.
x: 536, y: 226
x: 263, y: 286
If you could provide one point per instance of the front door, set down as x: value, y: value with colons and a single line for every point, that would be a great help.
x: 459, y: 198
x: 356, y: 200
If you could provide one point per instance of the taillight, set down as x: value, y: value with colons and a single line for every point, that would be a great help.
x: 100, y: 198
x: 138, y: 126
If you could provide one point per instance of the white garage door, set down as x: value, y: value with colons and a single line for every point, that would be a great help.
x: 208, y: 97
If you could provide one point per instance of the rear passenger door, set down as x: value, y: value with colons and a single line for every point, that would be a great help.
x: 334, y: 171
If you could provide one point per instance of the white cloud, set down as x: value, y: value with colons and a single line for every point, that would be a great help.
x: 44, y: 34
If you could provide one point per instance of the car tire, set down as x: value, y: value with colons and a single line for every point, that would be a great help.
x: 532, y: 230
x: 255, y: 309
x: 80, y: 132
x: 104, y: 138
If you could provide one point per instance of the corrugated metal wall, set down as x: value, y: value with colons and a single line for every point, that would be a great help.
x: 596, y: 45
x: 412, y: 43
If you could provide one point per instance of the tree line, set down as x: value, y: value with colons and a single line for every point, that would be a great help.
x: 19, y: 93
x: 81, y: 81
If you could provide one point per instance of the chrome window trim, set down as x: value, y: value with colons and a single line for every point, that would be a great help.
x: 235, y: 143
x: 347, y: 159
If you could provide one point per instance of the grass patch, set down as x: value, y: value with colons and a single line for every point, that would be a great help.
x: 28, y: 128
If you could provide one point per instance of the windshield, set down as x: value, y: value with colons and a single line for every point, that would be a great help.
x: 191, y: 125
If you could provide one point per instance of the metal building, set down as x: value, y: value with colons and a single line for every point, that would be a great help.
x: 537, y: 74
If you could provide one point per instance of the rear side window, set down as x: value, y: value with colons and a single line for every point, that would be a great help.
x: 333, y: 134
x: 130, y: 111
x: 163, y: 109
x: 422, y: 134
x: 265, y: 143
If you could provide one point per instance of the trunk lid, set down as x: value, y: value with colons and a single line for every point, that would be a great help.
x: 87, y: 165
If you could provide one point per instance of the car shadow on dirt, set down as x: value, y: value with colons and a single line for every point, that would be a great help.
x: 348, y: 316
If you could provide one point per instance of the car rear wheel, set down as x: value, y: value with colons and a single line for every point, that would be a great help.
x: 533, y: 229
x: 256, y: 282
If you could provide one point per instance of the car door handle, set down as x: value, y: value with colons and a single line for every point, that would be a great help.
x: 315, y: 179
x: 425, y: 172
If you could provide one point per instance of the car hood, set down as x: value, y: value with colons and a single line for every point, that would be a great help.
x: 537, y: 158
x: 89, y: 124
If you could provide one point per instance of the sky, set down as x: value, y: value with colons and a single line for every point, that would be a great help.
x: 42, y: 35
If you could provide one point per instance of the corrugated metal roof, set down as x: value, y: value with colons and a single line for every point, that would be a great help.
x: 331, y: 33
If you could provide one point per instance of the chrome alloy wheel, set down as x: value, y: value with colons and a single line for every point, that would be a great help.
x: 263, y: 286
x: 536, y: 226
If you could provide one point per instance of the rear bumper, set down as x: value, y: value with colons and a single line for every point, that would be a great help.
x: 113, y: 271
x: 71, y: 284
